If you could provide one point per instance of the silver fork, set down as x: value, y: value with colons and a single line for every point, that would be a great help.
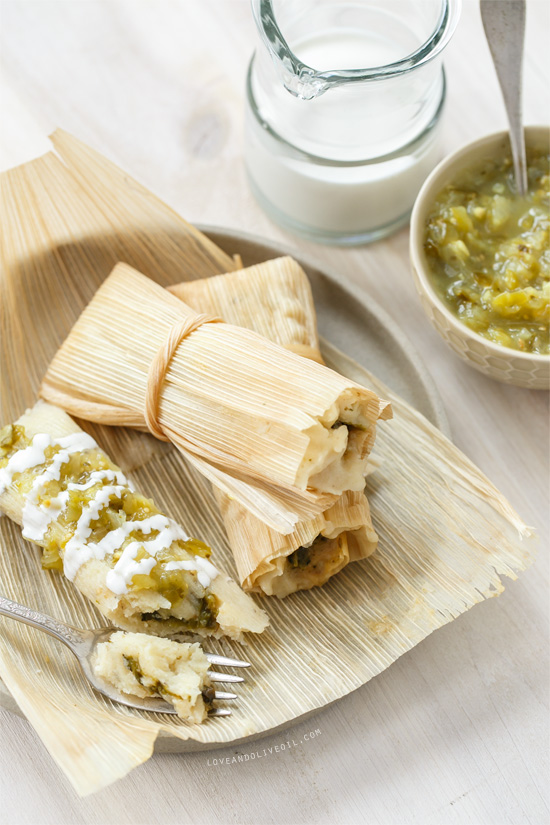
x: 83, y: 643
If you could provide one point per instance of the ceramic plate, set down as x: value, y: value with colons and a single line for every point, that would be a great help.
x: 354, y: 324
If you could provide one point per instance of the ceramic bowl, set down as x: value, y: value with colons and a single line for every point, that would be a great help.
x: 498, y: 362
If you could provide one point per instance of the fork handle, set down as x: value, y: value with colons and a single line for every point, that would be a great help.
x: 70, y: 636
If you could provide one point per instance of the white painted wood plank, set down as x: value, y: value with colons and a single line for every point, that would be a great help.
x: 456, y: 731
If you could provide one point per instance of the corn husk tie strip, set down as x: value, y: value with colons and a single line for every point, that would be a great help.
x: 159, y: 365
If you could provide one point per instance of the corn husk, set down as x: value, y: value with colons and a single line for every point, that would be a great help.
x: 66, y: 221
x: 238, y: 405
x: 274, y: 299
x: 236, y: 613
x: 447, y: 536
x: 260, y: 552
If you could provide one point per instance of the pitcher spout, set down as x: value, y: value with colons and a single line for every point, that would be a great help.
x: 304, y: 84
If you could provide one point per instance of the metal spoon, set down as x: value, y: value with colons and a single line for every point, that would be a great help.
x: 83, y: 644
x: 504, y: 24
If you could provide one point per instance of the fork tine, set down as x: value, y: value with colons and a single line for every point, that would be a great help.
x: 214, y: 676
x: 219, y: 712
x: 222, y: 694
x: 224, y: 661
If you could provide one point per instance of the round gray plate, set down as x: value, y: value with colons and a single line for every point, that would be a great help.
x: 355, y: 324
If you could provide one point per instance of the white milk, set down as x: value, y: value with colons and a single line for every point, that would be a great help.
x: 345, y: 166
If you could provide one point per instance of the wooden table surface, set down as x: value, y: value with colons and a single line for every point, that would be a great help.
x: 456, y: 730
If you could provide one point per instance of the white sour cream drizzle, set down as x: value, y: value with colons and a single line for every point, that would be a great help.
x: 37, y: 516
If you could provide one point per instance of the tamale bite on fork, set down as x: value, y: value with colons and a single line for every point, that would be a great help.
x: 274, y: 299
x: 145, y: 666
x: 228, y: 398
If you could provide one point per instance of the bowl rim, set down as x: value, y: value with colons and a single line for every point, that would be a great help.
x: 435, y: 181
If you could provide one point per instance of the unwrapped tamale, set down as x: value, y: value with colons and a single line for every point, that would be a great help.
x: 134, y: 563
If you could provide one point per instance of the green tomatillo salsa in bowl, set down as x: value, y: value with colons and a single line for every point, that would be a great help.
x: 489, y: 252
x: 481, y: 257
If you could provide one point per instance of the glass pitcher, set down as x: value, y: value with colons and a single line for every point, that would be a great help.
x: 339, y: 154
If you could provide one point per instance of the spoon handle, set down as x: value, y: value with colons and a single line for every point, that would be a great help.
x: 504, y: 24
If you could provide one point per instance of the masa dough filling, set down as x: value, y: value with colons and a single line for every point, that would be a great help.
x: 141, y: 665
x: 339, y: 443
x: 307, y: 567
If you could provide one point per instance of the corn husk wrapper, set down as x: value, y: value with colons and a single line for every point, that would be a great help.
x: 447, y: 535
x: 260, y: 553
x: 274, y: 299
x: 238, y: 405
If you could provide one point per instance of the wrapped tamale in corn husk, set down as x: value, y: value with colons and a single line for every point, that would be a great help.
x: 274, y: 299
x: 317, y: 549
x: 134, y: 563
x: 250, y: 415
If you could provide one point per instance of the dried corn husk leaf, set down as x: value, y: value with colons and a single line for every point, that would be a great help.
x: 426, y: 572
x: 274, y: 299
x: 65, y: 224
x: 231, y: 400
x: 154, y: 238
